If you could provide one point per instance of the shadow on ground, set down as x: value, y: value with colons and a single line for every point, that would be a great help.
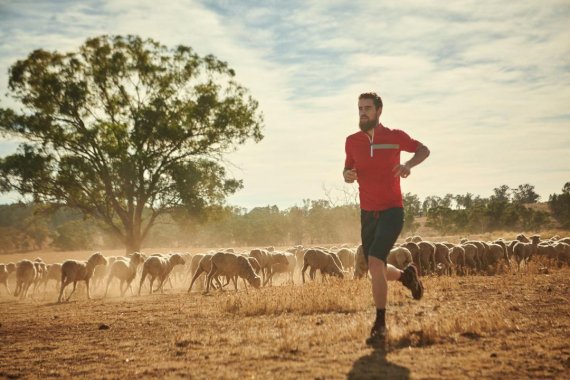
x: 376, y: 366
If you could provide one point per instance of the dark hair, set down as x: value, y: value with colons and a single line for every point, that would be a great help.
x: 375, y: 98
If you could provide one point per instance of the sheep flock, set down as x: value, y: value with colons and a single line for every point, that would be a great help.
x: 260, y: 267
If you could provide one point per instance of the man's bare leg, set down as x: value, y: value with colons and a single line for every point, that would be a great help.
x: 381, y: 274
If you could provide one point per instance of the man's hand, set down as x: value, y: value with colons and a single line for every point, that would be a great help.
x: 402, y: 170
x: 349, y: 175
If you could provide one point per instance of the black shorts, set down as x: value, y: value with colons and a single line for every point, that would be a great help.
x: 380, y: 230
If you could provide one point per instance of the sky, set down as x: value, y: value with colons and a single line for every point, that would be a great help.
x: 484, y: 84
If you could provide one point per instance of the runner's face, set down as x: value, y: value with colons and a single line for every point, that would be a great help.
x: 368, y: 114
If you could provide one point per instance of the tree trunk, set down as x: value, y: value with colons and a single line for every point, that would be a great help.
x: 132, y: 245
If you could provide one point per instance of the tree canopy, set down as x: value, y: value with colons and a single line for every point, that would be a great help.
x: 125, y: 129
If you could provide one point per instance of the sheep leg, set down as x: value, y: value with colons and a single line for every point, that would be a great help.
x: 107, y: 287
x: 269, y: 276
x: 196, y: 275
x: 234, y: 280
x: 161, y: 285
x: 305, y: 266
x: 64, y: 283
x: 143, y: 276
x: 87, y: 286
x: 210, y: 277
x: 151, y: 279
x: 74, y: 286
x: 7, y: 288
x: 312, y: 273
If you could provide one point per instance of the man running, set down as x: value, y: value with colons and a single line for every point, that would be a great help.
x: 373, y: 159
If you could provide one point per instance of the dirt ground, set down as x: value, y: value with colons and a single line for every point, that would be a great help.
x: 508, y: 326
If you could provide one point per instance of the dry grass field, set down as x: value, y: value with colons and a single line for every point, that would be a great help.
x: 508, y: 326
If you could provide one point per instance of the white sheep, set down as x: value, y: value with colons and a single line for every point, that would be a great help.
x: 159, y: 267
x: 5, y: 271
x: 204, y: 266
x: 523, y: 252
x: 495, y: 255
x: 276, y: 261
x: 263, y: 258
x: 125, y: 271
x: 335, y: 258
x: 232, y: 266
x: 415, y: 251
x: 399, y: 257
x: 54, y: 273
x: 278, y: 266
x: 470, y: 255
x: 74, y: 271
x: 25, y: 276
x: 360, y: 264
x: 346, y: 257
x: 427, y: 256
x: 442, y: 258
x: 323, y: 261
x: 457, y: 256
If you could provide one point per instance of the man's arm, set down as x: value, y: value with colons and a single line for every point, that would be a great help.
x: 419, y: 156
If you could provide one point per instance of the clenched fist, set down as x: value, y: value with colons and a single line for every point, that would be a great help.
x: 349, y: 175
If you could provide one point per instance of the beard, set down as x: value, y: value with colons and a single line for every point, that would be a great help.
x: 367, y: 124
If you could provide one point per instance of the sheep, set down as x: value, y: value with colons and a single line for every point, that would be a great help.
x: 26, y: 273
x: 41, y: 273
x: 74, y: 271
x: 336, y: 259
x: 415, y: 251
x: 124, y: 271
x: 457, y: 256
x: 470, y: 255
x: 360, y: 263
x: 255, y: 264
x: 399, y: 257
x: 442, y: 258
x: 510, y: 245
x: 563, y: 253
x: 278, y: 266
x: 522, y: 238
x: 523, y: 252
x: 480, y: 255
x: 275, y: 259
x: 5, y: 271
x: 231, y: 265
x: 317, y: 259
x: 427, y: 256
x: 54, y: 273
x: 194, y: 262
x: 204, y: 266
x: 102, y: 271
x: 346, y: 257
x: 494, y: 256
x: 179, y: 272
x: 159, y: 267
x: 565, y: 240
x: 262, y: 257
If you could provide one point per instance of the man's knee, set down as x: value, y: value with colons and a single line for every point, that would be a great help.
x: 376, y: 266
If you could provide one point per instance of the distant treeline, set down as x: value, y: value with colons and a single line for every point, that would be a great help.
x: 28, y: 227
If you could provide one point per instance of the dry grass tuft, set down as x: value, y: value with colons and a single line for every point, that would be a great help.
x: 334, y: 296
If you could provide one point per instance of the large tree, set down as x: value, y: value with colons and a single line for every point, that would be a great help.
x: 125, y: 129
